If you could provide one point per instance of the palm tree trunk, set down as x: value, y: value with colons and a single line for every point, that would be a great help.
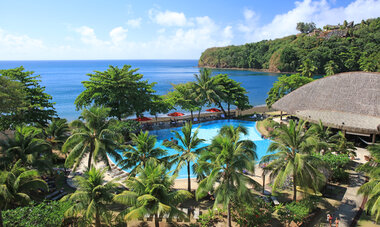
x: 263, y: 182
x: 90, y: 155
x: 294, y: 186
x: 156, y: 221
x: 188, y: 177
x: 223, y: 110
x: 1, y: 219
x: 199, y: 114
x: 97, y: 220
x: 229, y: 215
x: 228, y: 109
x: 192, y: 117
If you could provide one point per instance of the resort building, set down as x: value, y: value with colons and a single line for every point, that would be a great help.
x: 346, y: 101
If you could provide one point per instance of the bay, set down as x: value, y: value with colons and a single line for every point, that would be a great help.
x: 62, y: 79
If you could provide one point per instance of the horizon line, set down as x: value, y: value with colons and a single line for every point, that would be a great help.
x: 157, y: 59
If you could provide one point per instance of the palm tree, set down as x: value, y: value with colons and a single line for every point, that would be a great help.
x: 187, y: 148
x: 15, y: 185
x: 330, y: 68
x: 293, y: 158
x: 92, y: 137
x: 341, y: 146
x: 207, y: 90
x: 92, y: 196
x: 322, y: 136
x: 27, y: 146
x: 227, y: 159
x: 372, y: 188
x: 143, y: 149
x: 151, y: 193
x: 56, y: 133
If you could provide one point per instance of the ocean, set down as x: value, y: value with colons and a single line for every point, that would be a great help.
x: 62, y: 79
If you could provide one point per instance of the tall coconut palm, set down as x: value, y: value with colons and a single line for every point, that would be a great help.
x: 187, y: 148
x: 93, y: 138
x: 27, y: 146
x: 142, y: 149
x: 292, y: 158
x: 372, y: 188
x: 207, y: 90
x: 15, y: 185
x: 227, y: 160
x: 92, y: 196
x: 151, y: 194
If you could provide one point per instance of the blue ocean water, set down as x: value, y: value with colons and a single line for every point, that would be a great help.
x: 63, y: 78
x: 209, y: 130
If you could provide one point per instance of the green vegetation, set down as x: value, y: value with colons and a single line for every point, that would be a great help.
x: 372, y: 188
x: 187, y: 149
x: 151, y: 194
x: 121, y: 90
x: 253, y: 213
x: 226, y: 160
x: 11, y: 95
x: 89, y: 202
x: 297, y: 212
x: 41, y: 215
x: 293, y: 159
x: 143, y: 149
x: 92, y: 137
x: 337, y: 164
x: 350, y: 49
x: 34, y: 105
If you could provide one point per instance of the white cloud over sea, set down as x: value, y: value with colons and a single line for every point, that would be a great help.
x: 174, y: 34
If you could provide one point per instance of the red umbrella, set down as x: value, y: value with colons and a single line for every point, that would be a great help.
x: 143, y: 119
x: 176, y: 114
x: 214, y: 110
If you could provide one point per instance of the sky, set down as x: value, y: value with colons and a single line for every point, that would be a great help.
x: 153, y: 29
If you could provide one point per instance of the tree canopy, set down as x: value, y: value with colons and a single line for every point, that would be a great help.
x: 121, y: 89
x: 39, y: 108
x: 306, y: 27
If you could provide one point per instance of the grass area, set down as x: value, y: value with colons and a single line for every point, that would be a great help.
x: 261, y: 127
x: 366, y: 221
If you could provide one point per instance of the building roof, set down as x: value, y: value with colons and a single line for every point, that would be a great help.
x: 348, y: 101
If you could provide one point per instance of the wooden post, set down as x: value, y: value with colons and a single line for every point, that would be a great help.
x: 373, y: 138
x: 344, y: 133
x: 281, y: 115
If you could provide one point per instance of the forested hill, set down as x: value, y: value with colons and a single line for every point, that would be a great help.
x: 340, y: 48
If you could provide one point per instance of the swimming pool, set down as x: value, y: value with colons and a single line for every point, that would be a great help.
x: 207, y: 131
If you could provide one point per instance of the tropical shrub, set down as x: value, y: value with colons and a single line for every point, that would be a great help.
x: 41, y: 215
x: 297, y: 212
x: 210, y: 218
x: 125, y: 128
x: 252, y: 213
x: 337, y: 164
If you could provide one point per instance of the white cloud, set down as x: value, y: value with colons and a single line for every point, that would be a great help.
x: 88, y: 36
x: 227, y: 33
x: 319, y: 12
x: 134, y: 23
x: 118, y: 35
x: 168, y: 18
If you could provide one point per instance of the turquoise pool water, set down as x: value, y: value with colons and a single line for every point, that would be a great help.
x: 210, y: 129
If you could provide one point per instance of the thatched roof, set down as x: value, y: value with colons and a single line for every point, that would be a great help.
x: 348, y: 101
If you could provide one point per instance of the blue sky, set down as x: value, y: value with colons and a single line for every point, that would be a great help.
x: 152, y: 29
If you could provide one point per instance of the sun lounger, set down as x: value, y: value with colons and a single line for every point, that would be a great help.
x: 59, y: 196
x: 51, y: 195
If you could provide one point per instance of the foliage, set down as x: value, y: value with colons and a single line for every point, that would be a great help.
x: 341, y: 145
x: 91, y: 198
x: 16, y: 184
x: 142, y: 149
x: 12, y: 95
x: 151, y: 194
x: 26, y: 146
x: 39, y: 109
x: 305, y: 27
x: 159, y: 105
x: 307, y: 68
x: 56, y: 133
x: 292, y: 158
x: 210, y: 218
x: 297, y: 212
x: 253, y: 213
x: 121, y: 90
x: 337, y: 164
x: 285, y: 85
x: 125, y: 127
x: 225, y: 162
x: 359, y: 50
x: 372, y: 187
x: 92, y: 137
x: 187, y: 148
x: 41, y: 215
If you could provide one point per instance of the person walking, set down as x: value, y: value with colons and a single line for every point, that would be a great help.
x: 337, y: 222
